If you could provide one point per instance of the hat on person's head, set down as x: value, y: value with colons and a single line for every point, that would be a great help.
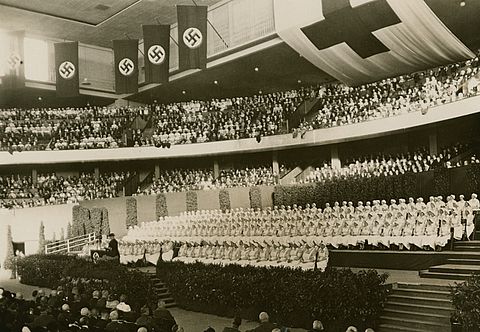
x: 26, y: 329
x: 65, y: 307
x: 114, y: 315
x: 112, y: 304
x: 142, y: 329
x: 122, y: 306
x: 84, y: 312
x: 263, y: 317
x: 317, y: 325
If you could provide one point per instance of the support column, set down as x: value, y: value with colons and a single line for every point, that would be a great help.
x: 433, y: 142
x: 335, y: 159
x: 216, y: 169
x: 275, y: 167
x: 157, y: 171
x: 34, y: 176
x: 96, y: 173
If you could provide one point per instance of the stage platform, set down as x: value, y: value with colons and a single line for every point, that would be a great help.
x: 395, y: 260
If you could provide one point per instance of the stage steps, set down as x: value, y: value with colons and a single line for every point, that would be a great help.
x: 417, y: 307
x: 160, y: 289
x: 457, y: 268
x: 162, y: 292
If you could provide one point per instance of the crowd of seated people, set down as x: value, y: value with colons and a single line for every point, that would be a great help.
x: 226, y: 119
x: 177, y: 180
x: 64, y: 128
x: 92, y: 305
x: 417, y: 162
x: 342, y: 105
x: 81, y: 304
x: 290, y: 231
x: 19, y: 191
x: 302, y: 254
x: 236, y: 118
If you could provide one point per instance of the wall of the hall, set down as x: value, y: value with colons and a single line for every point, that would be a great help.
x: 25, y: 225
x: 176, y: 204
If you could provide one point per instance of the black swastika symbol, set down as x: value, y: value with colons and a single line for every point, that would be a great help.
x: 13, y: 61
x: 156, y: 54
x: 192, y: 37
x: 67, y: 69
x: 126, y: 66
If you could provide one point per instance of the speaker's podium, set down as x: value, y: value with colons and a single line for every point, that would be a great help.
x: 102, y: 255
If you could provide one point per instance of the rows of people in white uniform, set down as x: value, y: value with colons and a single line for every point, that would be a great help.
x: 406, y: 224
x: 302, y: 254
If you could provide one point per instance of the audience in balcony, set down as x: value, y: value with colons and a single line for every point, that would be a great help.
x: 342, y: 105
x: 177, y: 180
x: 235, y: 118
x: 19, y: 191
x: 417, y: 162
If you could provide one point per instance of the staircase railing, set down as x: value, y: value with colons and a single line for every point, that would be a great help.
x: 74, y: 244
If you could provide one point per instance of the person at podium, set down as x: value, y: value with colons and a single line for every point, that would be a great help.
x: 112, y: 249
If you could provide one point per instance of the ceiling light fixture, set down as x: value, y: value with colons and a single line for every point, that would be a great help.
x: 462, y: 3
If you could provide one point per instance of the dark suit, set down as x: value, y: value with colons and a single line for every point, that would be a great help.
x: 231, y: 329
x: 112, y: 250
x: 264, y: 327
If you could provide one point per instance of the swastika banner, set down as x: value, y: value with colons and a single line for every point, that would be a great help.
x: 192, y: 37
x: 156, y: 45
x: 12, y: 67
x: 66, y: 67
x: 126, y: 65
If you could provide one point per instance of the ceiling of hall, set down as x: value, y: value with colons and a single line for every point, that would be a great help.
x: 95, y: 22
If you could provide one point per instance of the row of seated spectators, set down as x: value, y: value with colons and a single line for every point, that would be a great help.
x: 404, y: 224
x: 65, y: 128
x: 81, y: 305
x: 226, y: 119
x: 388, y: 165
x: 236, y: 118
x: 342, y: 105
x: 91, y: 305
x: 18, y: 191
x: 177, y: 180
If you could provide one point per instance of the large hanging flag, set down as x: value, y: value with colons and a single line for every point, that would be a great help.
x: 66, y: 66
x: 192, y: 37
x: 156, y: 44
x: 359, y: 41
x: 12, y: 61
x: 126, y: 65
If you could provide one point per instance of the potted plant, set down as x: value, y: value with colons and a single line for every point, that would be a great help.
x: 466, y: 301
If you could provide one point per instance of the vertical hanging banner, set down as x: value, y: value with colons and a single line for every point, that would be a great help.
x: 192, y: 37
x: 13, y: 66
x: 66, y: 65
x: 156, y: 44
x: 126, y: 65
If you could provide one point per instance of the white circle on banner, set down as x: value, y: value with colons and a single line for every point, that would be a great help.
x: 126, y: 67
x: 156, y: 54
x: 67, y: 70
x: 192, y: 37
